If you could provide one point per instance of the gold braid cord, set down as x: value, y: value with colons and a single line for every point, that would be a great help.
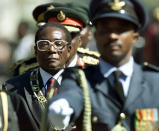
x: 4, y: 101
x: 87, y: 102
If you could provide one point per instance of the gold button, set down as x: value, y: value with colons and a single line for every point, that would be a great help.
x: 122, y: 116
x: 74, y: 127
x: 146, y: 63
x: 94, y: 119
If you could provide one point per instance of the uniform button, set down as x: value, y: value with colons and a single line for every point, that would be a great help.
x: 122, y: 116
x: 94, y: 119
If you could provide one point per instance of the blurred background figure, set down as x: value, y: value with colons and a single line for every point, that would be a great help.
x: 5, y: 60
x: 25, y: 43
x: 151, y: 49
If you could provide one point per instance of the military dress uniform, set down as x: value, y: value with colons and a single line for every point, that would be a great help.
x: 96, y: 103
x: 107, y: 112
x: 31, y: 86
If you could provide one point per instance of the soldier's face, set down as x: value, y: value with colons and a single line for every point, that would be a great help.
x: 52, y: 59
x: 115, y: 38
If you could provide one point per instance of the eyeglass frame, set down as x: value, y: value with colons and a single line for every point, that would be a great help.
x: 52, y: 43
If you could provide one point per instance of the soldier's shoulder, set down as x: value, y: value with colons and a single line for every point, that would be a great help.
x: 24, y: 65
x: 87, y: 57
x: 150, y: 67
x: 88, y: 52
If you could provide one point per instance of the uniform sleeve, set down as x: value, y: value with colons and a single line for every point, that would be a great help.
x: 71, y: 91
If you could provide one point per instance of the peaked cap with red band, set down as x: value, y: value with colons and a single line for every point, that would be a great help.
x: 71, y: 18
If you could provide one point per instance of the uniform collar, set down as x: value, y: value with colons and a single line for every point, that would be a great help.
x: 107, y: 69
x: 46, y: 76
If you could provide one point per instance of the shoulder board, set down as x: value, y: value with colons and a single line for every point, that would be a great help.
x: 90, y: 60
x: 88, y: 52
x: 25, y: 68
x: 150, y: 67
x: 23, y: 65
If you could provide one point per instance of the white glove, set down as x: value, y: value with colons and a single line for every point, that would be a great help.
x: 60, y: 113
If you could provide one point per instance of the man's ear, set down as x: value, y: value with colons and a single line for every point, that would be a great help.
x: 35, y: 50
x: 80, y: 41
x: 135, y: 37
x: 95, y: 34
x: 69, y: 50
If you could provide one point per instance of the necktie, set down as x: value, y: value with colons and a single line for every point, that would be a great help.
x: 51, y: 89
x: 117, y: 87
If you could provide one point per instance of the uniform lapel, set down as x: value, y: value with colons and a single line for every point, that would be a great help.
x: 136, y: 87
x: 101, y: 84
x: 34, y: 105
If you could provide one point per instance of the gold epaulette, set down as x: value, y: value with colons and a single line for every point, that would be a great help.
x: 88, y: 52
x: 25, y: 68
x: 90, y: 60
x: 24, y: 65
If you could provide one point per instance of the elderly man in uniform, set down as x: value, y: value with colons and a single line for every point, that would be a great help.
x: 112, y: 95
x: 52, y: 50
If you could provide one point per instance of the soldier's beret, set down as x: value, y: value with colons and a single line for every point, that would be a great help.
x: 130, y: 10
x: 73, y: 19
x: 38, y: 12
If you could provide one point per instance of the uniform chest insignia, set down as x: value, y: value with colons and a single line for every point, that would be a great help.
x: 117, y: 5
x: 90, y: 60
x: 147, y: 119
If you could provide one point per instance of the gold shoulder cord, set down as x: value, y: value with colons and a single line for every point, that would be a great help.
x: 87, y: 102
x: 4, y: 101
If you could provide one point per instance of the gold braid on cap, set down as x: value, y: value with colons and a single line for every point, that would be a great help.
x: 61, y: 16
x: 87, y: 102
x: 117, y: 4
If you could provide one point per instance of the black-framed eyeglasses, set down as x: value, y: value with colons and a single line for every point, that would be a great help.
x: 44, y: 45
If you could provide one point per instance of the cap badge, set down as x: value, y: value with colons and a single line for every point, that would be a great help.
x: 117, y: 5
x: 50, y: 7
x: 61, y: 16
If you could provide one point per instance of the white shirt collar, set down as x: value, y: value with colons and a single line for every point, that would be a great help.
x: 46, y: 76
x: 74, y: 61
x: 107, y: 69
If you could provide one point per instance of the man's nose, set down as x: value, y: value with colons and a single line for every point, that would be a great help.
x: 52, y: 48
x: 113, y: 35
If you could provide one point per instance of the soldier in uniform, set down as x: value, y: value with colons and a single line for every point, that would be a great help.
x: 106, y: 97
x: 75, y: 18
x: 52, y: 49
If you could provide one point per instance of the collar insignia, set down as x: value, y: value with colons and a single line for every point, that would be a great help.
x: 117, y: 5
x: 61, y: 16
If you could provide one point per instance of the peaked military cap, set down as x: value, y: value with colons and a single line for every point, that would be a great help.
x: 130, y: 10
x: 38, y: 12
x: 82, y: 8
x: 73, y: 19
